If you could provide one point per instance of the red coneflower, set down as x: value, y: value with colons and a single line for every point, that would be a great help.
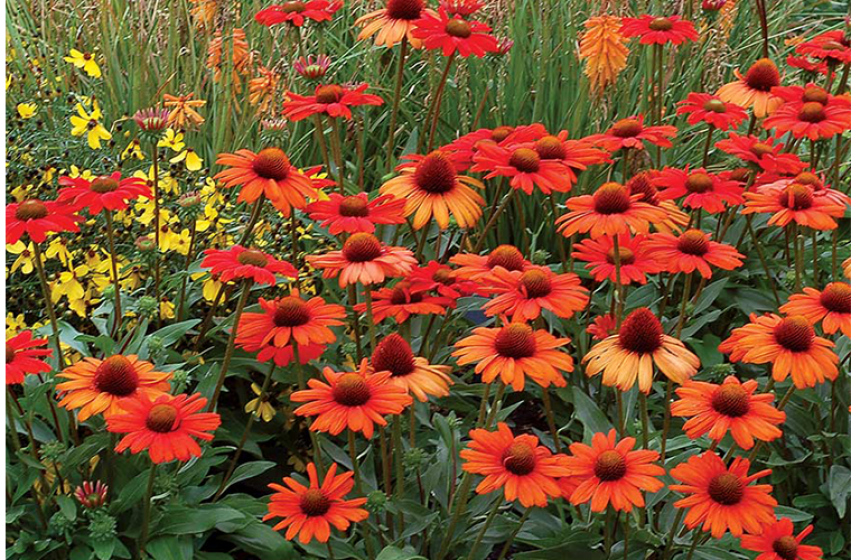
x: 812, y: 120
x: 700, y: 188
x: 642, y: 184
x: 297, y: 12
x: 691, y: 251
x: 164, y: 427
x: 722, y: 498
x: 524, y: 166
x: 794, y: 203
x: 309, y: 511
x: 777, y: 541
x: 393, y: 23
x: 464, y: 148
x: 789, y: 344
x: 90, y: 495
x: 479, y: 268
x: 441, y: 278
x: 401, y: 301
x: 631, y: 133
x: 364, y: 259
x: 753, y: 90
x: 609, y: 471
x: 711, y: 109
x: 659, y: 30
x: 577, y: 155
x: 107, y: 385
x: 239, y: 262
x: 631, y: 354
x: 804, y: 63
x: 799, y: 96
x: 432, y: 188
x: 283, y: 356
x: 833, y: 47
x: 611, y: 210
x: 602, y: 327
x: 37, y: 218
x: 522, y: 295
x: 110, y: 192
x: 289, y: 318
x: 454, y: 34
x: 731, y: 406
x: 268, y: 173
x: 356, y: 213
x: 764, y: 153
x: 354, y: 400
x: 832, y: 307
x: 635, y: 261
x: 519, y: 466
x: 328, y: 99
x: 412, y: 373
x: 513, y: 352
x: 22, y: 357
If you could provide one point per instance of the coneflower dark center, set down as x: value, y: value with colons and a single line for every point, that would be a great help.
x: 361, y: 247
x: 812, y: 112
x: 314, y: 503
x: 393, y: 354
x: 836, y: 297
x: 515, y: 341
x: 435, y: 174
x: 508, y: 257
x: 536, y: 283
x: 291, y: 311
x: 626, y: 256
x: 272, y: 163
x: 351, y: 389
x: 103, y: 185
x: 726, y: 489
x: 698, y: 183
x: 731, y: 400
x: 404, y: 9
x: 252, y: 257
x: 519, y: 459
x: 797, y: 197
x: 293, y: 6
x: 116, y: 376
x: 31, y: 210
x: 525, y: 160
x: 715, y: 106
x: 354, y: 207
x: 794, y: 334
x: 161, y: 418
x: 661, y: 24
x: 626, y: 128
x: 550, y: 147
x: 612, y: 198
x: 786, y: 547
x: 763, y: 75
x: 610, y: 466
x: 458, y: 28
x: 693, y: 242
x: 815, y: 94
x: 329, y: 94
x: 641, y: 332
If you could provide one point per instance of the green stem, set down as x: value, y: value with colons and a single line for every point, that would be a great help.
x: 243, y: 298
x: 110, y: 236
x: 548, y: 409
x: 369, y: 316
x: 155, y: 163
x: 484, y: 529
x: 146, y: 511
x: 514, y: 533
x: 505, y: 201
x: 394, y: 111
x: 438, y: 99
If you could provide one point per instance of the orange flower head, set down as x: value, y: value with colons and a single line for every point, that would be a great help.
x: 609, y: 471
x: 732, y: 406
x: 412, y: 373
x: 364, y: 259
x: 519, y: 466
x: 164, y: 427
x: 722, y: 498
x: 777, y: 541
x: 288, y: 319
x: 479, y: 268
x: 522, y: 295
x: 753, y: 90
x: 513, y: 352
x: 611, y: 210
x: 692, y: 250
x: 23, y: 353
x: 632, y: 353
x: 309, y: 511
x: 789, y: 344
x: 394, y: 23
x: 354, y: 400
x: 795, y: 202
x: 105, y: 386
x: 635, y: 260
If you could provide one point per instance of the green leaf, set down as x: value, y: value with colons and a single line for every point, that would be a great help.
x: 67, y: 507
x: 260, y: 540
x: 131, y: 493
x: 586, y: 410
x: 393, y: 553
x: 796, y: 515
x: 200, y: 519
x: 170, y: 548
x: 839, y: 485
x: 249, y: 470
x: 708, y: 296
x: 103, y: 548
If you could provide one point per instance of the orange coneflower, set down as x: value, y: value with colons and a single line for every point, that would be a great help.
x: 393, y: 23
x: 298, y: 12
x: 700, y: 188
x: 777, y: 541
x: 513, y: 352
x: 832, y: 307
x: 604, y: 48
x: 432, y: 187
x: 37, y: 218
x: 813, y: 120
x: 610, y: 471
x: 789, y: 344
x: 268, y: 173
x: 753, y: 90
x: 519, y: 466
x: 364, y: 259
x: 355, y: 400
x: 328, y: 99
x: 764, y: 153
x: 794, y: 203
x: 635, y: 260
x: 834, y: 47
x: 412, y: 373
x: 691, y: 251
x: 289, y: 318
x: 846, y: 268
x: 722, y: 498
x: 466, y: 147
x: 441, y: 278
x: 642, y: 184
x: 522, y: 295
x: 452, y: 33
x: 182, y: 109
x: 577, y: 155
x: 631, y: 133
x: 524, y: 166
x: 109, y: 192
x: 308, y: 511
x: 659, y: 30
x: 164, y: 427
x: 22, y: 357
x: 611, y: 210
x: 401, y: 301
x: 715, y: 409
x: 479, y: 268
x: 711, y: 109
x: 96, y: 386
x: 632, y: 353
x: 239, y: 262
x: 356, y: 213
x: 602, y: 327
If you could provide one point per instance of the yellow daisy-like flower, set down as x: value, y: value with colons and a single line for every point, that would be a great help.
x: 89, y: 124
x: 86, y: 61
x: 166, y: 309
x: 192, y: 160
x: 58, y: 249
x: 133, y: 150
x: 172, y: 140
x: 260, y: 407
x: 179, y: 242
x: 69, y: 284
x: 27, y: 110
x: 25, y: 253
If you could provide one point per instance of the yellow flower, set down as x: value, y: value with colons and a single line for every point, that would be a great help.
x: 85, y: 61
x: 15, y: 324
x: 260, y: 407
x: 25, y: 257
x: 58, y: 249
x: 89, y: 124
x: 27, y: 110
x: 172, y: 140
x: 167, y: 183
x: 193, y: 160
x: 171, y: 241
x: 69, y: 285
x: 133, y: 149
x: 166, y: 309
